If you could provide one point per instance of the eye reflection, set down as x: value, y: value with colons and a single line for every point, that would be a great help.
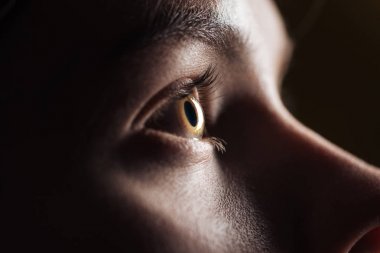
x: 191, y: 115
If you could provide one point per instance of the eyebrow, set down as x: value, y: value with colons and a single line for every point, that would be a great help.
x: 168, y: 21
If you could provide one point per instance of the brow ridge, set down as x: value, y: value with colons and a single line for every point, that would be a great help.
x: 174, y: 21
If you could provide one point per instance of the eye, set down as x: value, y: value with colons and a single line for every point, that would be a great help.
x: 182, y: 116
x: 191, y: 115
x: 182, y: 108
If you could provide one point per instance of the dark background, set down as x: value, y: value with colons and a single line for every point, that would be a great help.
x: 333, y: 84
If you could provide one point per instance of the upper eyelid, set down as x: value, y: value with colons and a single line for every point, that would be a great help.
x: 206, y: 80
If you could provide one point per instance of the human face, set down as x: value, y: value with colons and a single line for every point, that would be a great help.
x: 99, y: 158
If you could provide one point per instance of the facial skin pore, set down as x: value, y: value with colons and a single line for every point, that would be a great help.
x: 83, y: 172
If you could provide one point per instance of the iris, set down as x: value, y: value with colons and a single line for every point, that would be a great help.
x: 191, y: 116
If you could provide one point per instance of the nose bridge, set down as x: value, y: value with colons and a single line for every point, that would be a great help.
x: 312, y: 190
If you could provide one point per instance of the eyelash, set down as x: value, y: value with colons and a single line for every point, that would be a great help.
x: 205, y: 85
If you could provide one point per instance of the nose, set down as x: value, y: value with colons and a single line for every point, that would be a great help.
x: 314, y: 196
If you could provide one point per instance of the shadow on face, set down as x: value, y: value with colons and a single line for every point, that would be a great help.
x: 117, y: 113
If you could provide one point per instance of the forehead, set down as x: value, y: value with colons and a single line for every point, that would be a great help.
x: 127, y: 14
x: 93, y: 27
x: 110, y: 18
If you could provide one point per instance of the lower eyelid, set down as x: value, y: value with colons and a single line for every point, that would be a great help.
x: 164, y: 147
x: 193, y: 145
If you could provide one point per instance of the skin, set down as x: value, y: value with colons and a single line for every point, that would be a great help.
x: 83, y: 172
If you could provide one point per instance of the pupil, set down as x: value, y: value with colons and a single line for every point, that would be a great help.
x: 191, y: 113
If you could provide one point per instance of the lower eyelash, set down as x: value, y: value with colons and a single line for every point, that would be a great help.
x: 218, y: 143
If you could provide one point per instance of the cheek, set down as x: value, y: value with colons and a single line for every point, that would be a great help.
x: 178, y: 207
x: 194, y: 206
